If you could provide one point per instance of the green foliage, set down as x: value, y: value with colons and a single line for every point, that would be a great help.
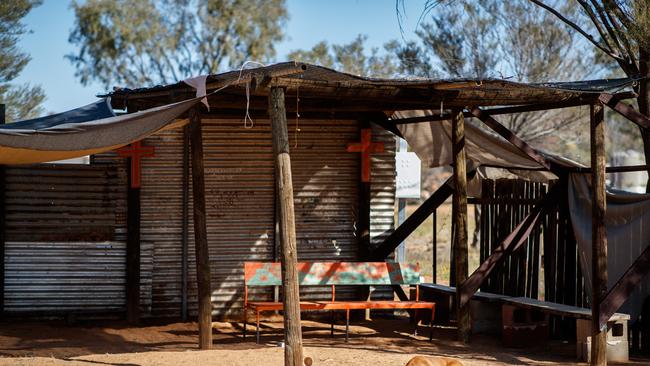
x: 22, y: 101
x: 146, y: 42
x: 352, y: 58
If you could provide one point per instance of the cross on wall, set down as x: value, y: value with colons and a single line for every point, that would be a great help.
x: 366, y: 147
x: 136, y: 151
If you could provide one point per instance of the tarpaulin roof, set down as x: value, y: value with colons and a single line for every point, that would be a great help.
x: 87, y: 130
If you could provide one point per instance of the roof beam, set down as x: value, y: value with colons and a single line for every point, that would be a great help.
x: 614, y: 102
x: 510, y: 136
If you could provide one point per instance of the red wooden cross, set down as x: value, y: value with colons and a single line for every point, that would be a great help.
x: 135, y: 151
x: 366, y: 147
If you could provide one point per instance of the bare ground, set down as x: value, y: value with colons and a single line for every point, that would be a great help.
x: 373, y: 343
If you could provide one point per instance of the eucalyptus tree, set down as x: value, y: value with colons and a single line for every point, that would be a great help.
x: 148, y: 42
x: 21, y: 101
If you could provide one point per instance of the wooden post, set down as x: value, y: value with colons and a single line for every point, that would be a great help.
x: 200, y: 233
x: 434, y: 239
x: 132, y: 252
x: 289, y: 252
x: 2, y: 225
x: 459, y: 216
x: 598, y: 236
x: 185, y: 224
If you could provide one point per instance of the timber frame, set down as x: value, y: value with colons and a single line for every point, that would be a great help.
x: 605, y: 302
x: 270, y: 92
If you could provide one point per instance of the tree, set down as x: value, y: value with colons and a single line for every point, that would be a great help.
x: 147, y: 42
x: 508, y: 40
x: 352, y: 58
x: 623, y: 28
x: 22, y: 101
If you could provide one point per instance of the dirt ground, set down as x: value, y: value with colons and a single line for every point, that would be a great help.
x: 380, y: 342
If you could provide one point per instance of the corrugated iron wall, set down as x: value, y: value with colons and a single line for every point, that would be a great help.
x: 382, y: 187
x: 81, y: 202
x: 65, y: 250
x: 241, y: 208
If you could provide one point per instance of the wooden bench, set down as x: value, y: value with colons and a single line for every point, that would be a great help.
x: 506, y: 304
x: 332, y: 274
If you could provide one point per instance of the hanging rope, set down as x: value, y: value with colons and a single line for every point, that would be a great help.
x: 247, y: 117
x: 297, y: 117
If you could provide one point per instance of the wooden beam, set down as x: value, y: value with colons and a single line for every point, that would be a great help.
x: 200, y: 232
x: 612, y: 169
x: 496, y: 111
x: 510, y: 136
x: 459, y: 216
x: 413, y: 221
x: 291, y: 298
x: 132, y: 252
x: 598, y: 235
x: 624, y: 287
x: 613, y: 102
x: 508, y: 246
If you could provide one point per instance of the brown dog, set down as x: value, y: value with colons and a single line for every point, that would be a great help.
x: 433, y: 361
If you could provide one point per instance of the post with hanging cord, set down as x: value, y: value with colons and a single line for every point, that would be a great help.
x: 289, y: 252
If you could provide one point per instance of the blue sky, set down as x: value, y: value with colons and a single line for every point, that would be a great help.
x: 311, y: 21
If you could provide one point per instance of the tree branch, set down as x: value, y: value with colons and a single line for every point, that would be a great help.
x: 571, y: 24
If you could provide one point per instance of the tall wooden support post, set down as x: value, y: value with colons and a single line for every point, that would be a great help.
x: 2, y: 225
x: 200, y: 233
x: 598, y: 235
x: 132, y: 251
x: 185, y: 225
x: 289, y: 252
x: 459, y: 216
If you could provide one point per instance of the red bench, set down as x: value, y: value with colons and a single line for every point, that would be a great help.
x: 257, y: 274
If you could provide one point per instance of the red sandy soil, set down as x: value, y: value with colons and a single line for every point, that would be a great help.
x: 372, y: 343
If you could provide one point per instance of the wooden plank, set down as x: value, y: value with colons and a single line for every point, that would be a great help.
x: 625, y: 110
x: 200, y: 232
x: 624, y: 287
x: 383, y: 250
x: 504, y: 132
x: 510, y: 244
x: 598, y: 235
x: 549, y: 307
x: 291, y: 299
x: 459, y: 216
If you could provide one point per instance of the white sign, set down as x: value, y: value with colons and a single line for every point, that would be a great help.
x: 407, y: 165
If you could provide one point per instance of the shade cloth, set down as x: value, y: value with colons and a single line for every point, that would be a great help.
x: 494, y: 156
x: 91, y: 129
x: 627, y: 221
